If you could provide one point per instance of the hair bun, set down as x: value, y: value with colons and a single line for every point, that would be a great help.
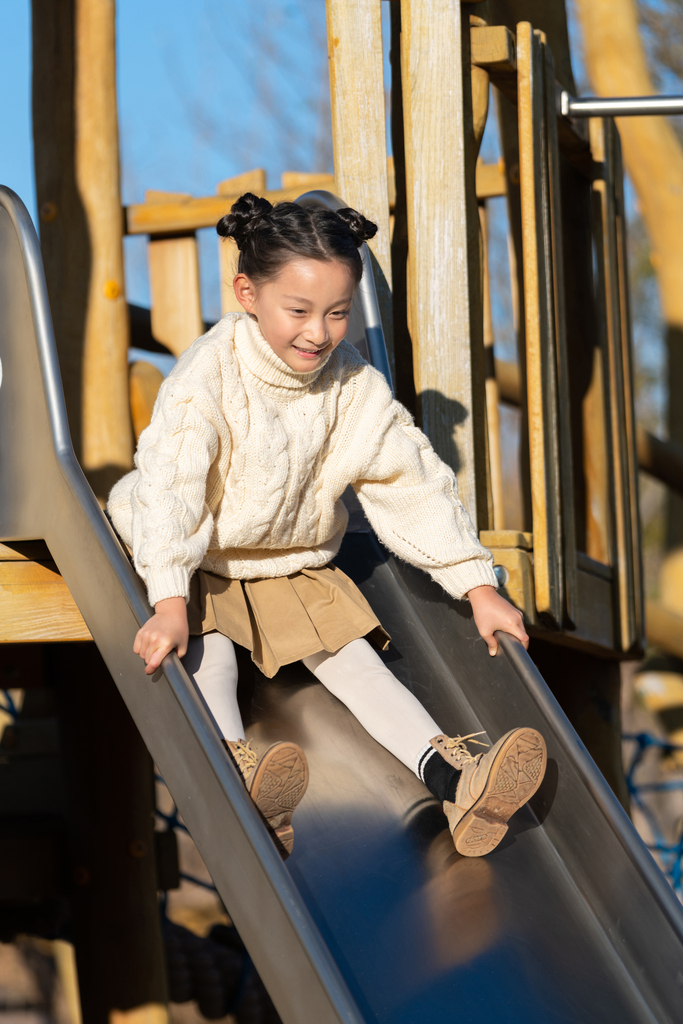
x: 360, y: 227
x: 245, y: 217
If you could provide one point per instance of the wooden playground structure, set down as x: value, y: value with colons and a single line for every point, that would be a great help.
x: 570, y: 559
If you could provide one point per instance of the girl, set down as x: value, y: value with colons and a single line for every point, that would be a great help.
x: 234, y: 515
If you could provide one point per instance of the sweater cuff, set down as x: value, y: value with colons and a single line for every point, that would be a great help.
x: 171, y: 581
x: 458, y: 580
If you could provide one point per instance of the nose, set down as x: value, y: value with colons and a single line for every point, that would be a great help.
x: 316, y: 332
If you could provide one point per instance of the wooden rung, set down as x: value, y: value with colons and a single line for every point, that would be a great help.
x: 36, y: 605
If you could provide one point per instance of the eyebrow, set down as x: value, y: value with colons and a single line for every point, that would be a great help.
x: 297, y: 298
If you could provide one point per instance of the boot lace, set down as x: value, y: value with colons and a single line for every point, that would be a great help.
x: 458, y: 744
x: 246, y: 757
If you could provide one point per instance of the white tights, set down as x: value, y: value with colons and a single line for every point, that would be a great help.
x: 355, y: 675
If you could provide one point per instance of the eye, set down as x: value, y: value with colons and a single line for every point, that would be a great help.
x: 298, y: 312
x: 340, y: 313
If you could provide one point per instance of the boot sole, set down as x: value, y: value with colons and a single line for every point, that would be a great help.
x: 278, y: 784
x: 516, y: 773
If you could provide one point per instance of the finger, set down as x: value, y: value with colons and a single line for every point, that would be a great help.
x: 156, y: 658
x: 181, y: 649
x: 492, y: 644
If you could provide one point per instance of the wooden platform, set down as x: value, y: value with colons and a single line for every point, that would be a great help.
x: 35, y: 602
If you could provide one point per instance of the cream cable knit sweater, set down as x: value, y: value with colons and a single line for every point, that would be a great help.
x: 242, y: 469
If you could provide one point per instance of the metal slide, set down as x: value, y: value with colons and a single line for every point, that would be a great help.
x: 374, y: 917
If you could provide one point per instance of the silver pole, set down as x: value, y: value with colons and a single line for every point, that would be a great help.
x: 619, y: 106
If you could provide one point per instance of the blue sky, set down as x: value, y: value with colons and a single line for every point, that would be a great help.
x: 207, y: 89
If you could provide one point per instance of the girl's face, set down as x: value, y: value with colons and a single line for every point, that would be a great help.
x: 303, y: 313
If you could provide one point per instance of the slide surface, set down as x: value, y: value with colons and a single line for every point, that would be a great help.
x: 374, y: 917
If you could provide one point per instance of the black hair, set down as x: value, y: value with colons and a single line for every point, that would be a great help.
x: 269, y: 236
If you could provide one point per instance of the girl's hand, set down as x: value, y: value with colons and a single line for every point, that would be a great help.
x: 166, y: 631
x: 492, y: 612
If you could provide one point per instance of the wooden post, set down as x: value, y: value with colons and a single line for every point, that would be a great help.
x: 107, y: 438
x: 443, y: 244
x: 354, y: 40
x: 77, y: 180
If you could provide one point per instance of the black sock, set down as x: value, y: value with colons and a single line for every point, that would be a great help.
x: 440, y: 777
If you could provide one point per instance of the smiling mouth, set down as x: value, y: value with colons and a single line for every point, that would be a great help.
x: 309, y: 351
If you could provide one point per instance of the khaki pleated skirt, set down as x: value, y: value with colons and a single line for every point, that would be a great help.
x: 283, y: 620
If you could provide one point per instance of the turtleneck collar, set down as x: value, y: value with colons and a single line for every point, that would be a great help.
x: 262, y: 361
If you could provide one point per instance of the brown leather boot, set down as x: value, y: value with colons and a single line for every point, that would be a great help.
x: 492, y: 786
x: 276, y: 782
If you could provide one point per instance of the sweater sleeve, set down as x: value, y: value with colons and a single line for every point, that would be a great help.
x: 171, y: 520
x: 411, y: 498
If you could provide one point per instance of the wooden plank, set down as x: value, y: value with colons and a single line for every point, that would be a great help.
x: 539, y: 317
x: 630, y: 433
x: 491, y: 180
x: 518, y: 588
x: 567, y: 523
x: 36, y: 605
x: 145, y: 381
x: 596, y: 464
x: 160, y: 218
x: 493, y: 47
x: 495, y: 459
x: 305, y: 180
x: 507, y: 539
x: 441, y: 245
x: 254, y: 182
x: 356, y: 62
x: 603, y: 148
x: 174, y: 286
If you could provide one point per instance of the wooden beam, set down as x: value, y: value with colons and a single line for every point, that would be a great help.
x: 191, y: 214
x: 354, y: 42
x: 440, y: 317
x: 493, y: 48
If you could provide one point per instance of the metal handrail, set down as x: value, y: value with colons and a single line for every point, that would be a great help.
x: 618, y: 106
